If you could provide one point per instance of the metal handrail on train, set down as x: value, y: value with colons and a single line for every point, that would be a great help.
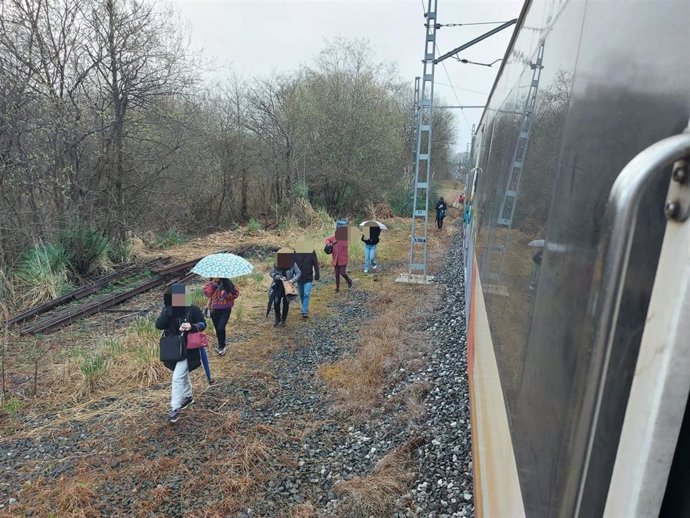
x: 620, y: 224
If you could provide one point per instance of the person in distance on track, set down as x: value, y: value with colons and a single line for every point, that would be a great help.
x: 222, y: 294
x: 441, y: 208
x: 180, y: 316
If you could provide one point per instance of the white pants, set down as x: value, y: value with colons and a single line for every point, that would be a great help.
x: 181, y: 386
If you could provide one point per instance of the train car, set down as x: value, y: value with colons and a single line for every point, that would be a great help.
x: 577, y: 248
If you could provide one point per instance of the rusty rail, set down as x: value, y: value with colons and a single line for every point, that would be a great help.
x: 67, y: 317
x: 83, y: 291
x: 165, y: 276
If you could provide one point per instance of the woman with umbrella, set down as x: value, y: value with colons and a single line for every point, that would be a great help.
x: 222, y: 294
x: 221, y: 291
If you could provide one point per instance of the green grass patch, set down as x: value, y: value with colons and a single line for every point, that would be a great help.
x: 87, y: 249
x: 120, y: 251
x: 43, y: 273
x: 169, y: 238
x: 113, y: 345
x: 12, y: 406
x: 254, y: 226
x: 94, y: 368
x: 198, y: 297
x: 145, y: 328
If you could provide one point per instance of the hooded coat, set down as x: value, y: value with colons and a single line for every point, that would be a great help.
x: 170, y: 320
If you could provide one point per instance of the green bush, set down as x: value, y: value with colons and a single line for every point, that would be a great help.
x: 86, y: 247
x: 254, y: 226
x: 43, y: 270
x: 170, y: 237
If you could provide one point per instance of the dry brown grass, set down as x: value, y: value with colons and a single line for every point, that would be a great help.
x: 305, y: 510
x: 385, y: 345
x: 374, y: 495
x: 70, y: 498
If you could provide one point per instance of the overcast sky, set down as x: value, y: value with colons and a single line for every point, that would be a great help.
x: 258, y: 37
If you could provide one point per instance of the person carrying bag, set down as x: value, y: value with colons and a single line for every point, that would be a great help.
x: 178, y: 320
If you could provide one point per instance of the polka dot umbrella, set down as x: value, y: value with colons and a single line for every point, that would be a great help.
x: 224, y: 265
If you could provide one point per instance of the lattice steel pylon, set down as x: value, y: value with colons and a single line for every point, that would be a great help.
x: 422, y: 168
x: 507, y: 209
x: 415, y: 120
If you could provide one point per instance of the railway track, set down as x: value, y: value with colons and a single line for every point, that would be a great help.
x: 163, y: 275
x: 86, y: 290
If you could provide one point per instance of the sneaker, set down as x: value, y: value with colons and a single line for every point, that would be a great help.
x: 282, y: 323
x: 220, y: 351
x: 186, y: 402
x: 276, y: 323
x: 211, y: 381
x: 366, y: 271
x: 305, y: 315
x: 174, y: 415
x: 349, y: 283
x: 337, y: 290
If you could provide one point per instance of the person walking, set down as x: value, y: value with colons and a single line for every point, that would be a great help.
x: 371, y: 239
x: 284, y: 271
x: 441, y: 208
x: 339, y: 256
x: 308, y: 264
x: 222, y: 294
x: 177, y: 317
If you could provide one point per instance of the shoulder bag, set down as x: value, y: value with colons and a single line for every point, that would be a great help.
x: 171, y: 348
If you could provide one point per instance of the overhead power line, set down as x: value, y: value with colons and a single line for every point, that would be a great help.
x: 450, y: 82
x: 439, y: 25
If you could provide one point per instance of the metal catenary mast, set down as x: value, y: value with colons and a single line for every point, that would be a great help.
x: 422, y: 167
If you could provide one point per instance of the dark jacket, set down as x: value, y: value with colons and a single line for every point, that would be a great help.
x: 374, y: 233
x: 277, y: 291
x: 171, y: 326
x: 441, y: 208
x: 308, y: 265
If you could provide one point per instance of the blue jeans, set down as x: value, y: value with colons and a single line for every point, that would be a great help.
x: 304, y: 289
x: 369, y: 256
